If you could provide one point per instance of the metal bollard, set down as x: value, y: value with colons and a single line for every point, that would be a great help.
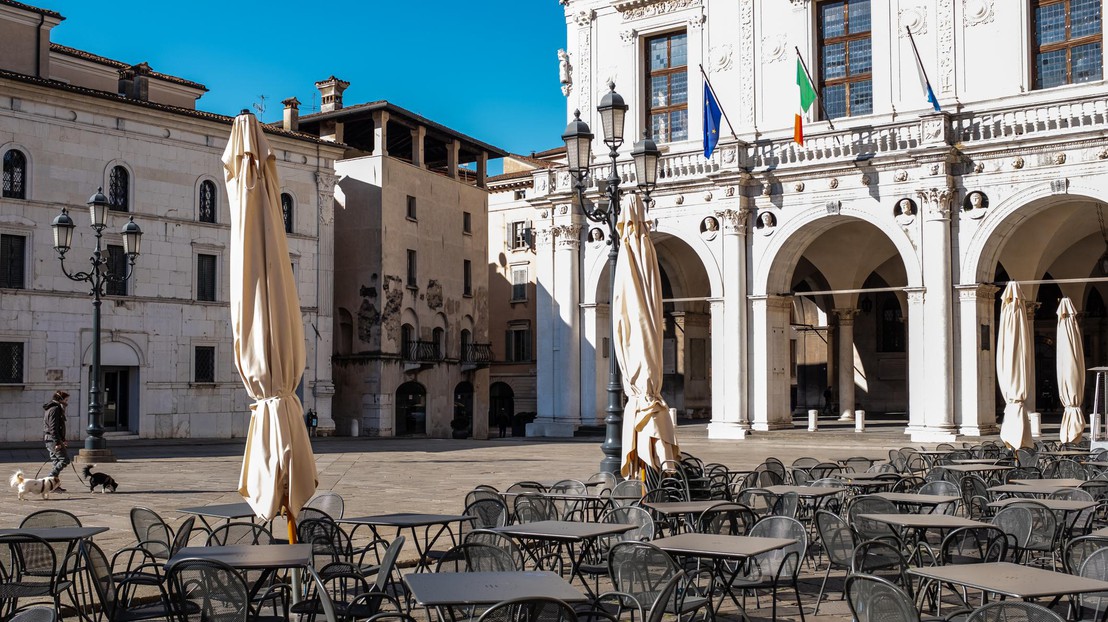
x: 1036, y: 424
x: 859, y: 421
x: 813, y: 420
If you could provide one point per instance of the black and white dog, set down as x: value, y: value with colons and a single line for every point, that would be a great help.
x: 42, y: 486
x: 103, y: 480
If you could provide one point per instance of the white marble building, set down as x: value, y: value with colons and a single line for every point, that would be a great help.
x: 867, y: 259
x: 70, y: 122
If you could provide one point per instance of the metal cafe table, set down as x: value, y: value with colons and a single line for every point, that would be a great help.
x: 685, y: 511
x: 567, y: 535
x: 225, y: 511
x: 1011, y: 580
x: 479, y: 590
x: 267, y: 557
x: 868, y: 481
x: 1064, y: 482
x: 921, y: 523
x: 434, y: 526
x: 976, y: 468
x: 721, y: 548
x: 1026, y: 490
x: 917, y: 500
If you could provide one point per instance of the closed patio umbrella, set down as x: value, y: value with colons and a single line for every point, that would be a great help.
x: 1071, y: 373
x: 278, y: 466
x: 1013, y: 366
x: 649, y: 436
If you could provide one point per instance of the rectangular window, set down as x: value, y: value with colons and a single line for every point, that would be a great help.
x: 13, y: 261
x: 845, y: 58
x: 1067, y: 42
x: 519, y: 235
x: 205, y: 277
x: 519, y: 283
x: 519, y: 343
x: 667, y: 83
x: 411, y: 208
x: 467, y: 277
x: 413, y: 280
x: 11, y: 362
x: 117, y: 266
x: 467, y: 222
x: 203, y: 365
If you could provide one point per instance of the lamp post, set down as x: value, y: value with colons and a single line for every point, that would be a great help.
x: 100, y: 274
x: 578, y: 139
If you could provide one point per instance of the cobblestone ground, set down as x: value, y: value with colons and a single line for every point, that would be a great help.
x: 420, y: 475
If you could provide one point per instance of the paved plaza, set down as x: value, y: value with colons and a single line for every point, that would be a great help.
x: 377, y: 476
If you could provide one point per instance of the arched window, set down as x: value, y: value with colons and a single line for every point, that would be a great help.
x: 467, y: 343
x: 15, y: 174
x: 407, y: 342
x: 119, y: 187
x: 207, y: 201
x: 437, y: 338
x: 286, y: 210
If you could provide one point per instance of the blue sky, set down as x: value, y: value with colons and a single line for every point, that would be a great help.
x: 487, y: 68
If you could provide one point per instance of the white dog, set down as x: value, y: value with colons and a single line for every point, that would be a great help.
x: 42, y: 486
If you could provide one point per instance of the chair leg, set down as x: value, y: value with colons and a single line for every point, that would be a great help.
x: 819, y: 598
x: 799, y: 607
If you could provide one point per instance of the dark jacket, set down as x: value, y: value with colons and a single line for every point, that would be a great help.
x: 53, y: 422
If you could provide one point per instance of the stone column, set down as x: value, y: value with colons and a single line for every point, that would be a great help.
x: 381, y: 133
x: 846, y: 362
x: 322, y: 338
x: 917, y: 380
x: 1032, y: 383
x: 546, y: 373
x: 977, y: 359
x: 419, y: 134
x: 730, y: 395
x: 452, y: 148
x: 770, y: 362
x: 938, y: 363
x: 594, y: 330
x: 482, y: 169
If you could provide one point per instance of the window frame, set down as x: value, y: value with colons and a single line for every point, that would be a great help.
x: 214, y: 208
x: 119, y: 199
x: 467, y: 223
x: 519, y: 235
x: 1067, y: 44
x: 849, y: 78
x: 21, y: 346
x: 411, y: 212
x: 208, y: 348
x: 467, y: 278
x: 517, y: 344
x: 288, y: 211
x: 6, y: 190
x: 648, y: 74
x: 115, y: 255
x: 4, y: 267
x: 519, y: 290
x: 214, y: 279
x: 412, y: 272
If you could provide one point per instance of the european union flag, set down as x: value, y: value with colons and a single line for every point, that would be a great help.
x: 712, y: 116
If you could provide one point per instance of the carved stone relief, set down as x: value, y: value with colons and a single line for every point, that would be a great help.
x: 696, y: 21
x: 900, y: 176
x: 628, y: 36
x: 833, y: 207
x: 567, y: 236
x: 1059, y: 186
x: 833, y: 183
x: 746, y: 60
x: 584, y: 18
x: 914, y: 19
x: 774, y: 48
x: 799, y: 186
x: 1017, y: 162
x: 937, y: 201
x: 649, y: 8
x: 719, y: 57
x: 325, y: 188
x: 584, y: 73
x: 945, y: 26
x: 977, y: 11
x: 734, y: 221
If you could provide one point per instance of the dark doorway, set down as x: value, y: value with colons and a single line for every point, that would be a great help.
x: 462, y: 423
x: 116, y: 385
x: 502, y: 411
x: 411, y: 410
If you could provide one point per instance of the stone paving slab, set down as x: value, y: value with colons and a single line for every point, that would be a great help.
x: 378, y: 476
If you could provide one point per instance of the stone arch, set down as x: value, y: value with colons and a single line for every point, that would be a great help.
x: 119, y: 351
x: 28, y: 167
x: 132, y: 181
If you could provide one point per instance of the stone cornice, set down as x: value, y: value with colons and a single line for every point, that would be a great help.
x: 637, y: 9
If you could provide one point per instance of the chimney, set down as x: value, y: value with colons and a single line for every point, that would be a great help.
x: 134, y: 82
x: 330, y: 93
x: 292, y: 114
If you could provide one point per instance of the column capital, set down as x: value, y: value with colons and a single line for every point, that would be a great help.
x: 936, y: 202
x: 735, y: 222
x: 544, y: 237
x: 567, y: 236
x: 845, y: 316
x: 976, y: 291
x: 915, y: 294
x: 772, y: 301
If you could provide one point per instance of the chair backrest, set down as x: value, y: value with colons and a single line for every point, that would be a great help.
x: 641, y: 570
x: 874, y: 599
x: 1077, y: 549
x: 786, y: 504
x: 101, y: 583
x: 1065, y: 469
x: 212, y: 590
x: 1022, y: 472
x: 532, y: 507
x: 151, y: 532
x: 1027, y: 457
x: 481, y: 493
x: 1016, y: 522
x: 239, y: 532
x: 1006, y: 610
x: 529, y: 609
x: 181, y: 538
x: 1045, y: 526
x: 759, y: 500
x: 870, y: 504
x: 329, y: 501
x: 500, y: 541
x: 526, y: 486
x: 825, y: 469
x: 857, y: 464
x: 667, y: 599
x: 30, y: 560
x: 939, y: 488
x: 730, y: 519
x: 569, y: 487
x: 476, y: 557
x: 806, y: 463
x: 882, y: 557
x: 783, y: 562
x: 52, y: 518
x: 329, y: 542
x: 974, y: 545
x: 35, y: 614
x: 487, y: 513
x: 627, y: 492
x: 606, y: 479
x: 1072, y: 494
x: 1094, y: 566
x: 837, y: 538
x: 631, y: 515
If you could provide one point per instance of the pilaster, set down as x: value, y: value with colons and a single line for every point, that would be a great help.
x: 419, y: 136
x: 976, y: 359
x: 561, y: 324
x: 770, y: 325
x: 381, y: 133
x: 938, y: 310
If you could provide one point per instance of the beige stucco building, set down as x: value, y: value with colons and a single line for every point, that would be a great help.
x: 70, y: 122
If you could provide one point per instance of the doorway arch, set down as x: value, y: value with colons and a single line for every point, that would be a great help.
x: 411, y: 409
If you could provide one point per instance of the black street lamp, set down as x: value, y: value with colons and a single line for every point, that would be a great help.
x: 95, y: 445
x: 578, y: 139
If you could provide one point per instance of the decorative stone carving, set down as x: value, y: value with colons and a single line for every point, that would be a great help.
x: 629, y: 36
x: 833, y: 183
x: 799, y: 186
x: 945, y: 29
x: 563, y: 209
x: 729, y: 191
x: 696, y: 21
x: 709, y: 228
x: 584, y: 18
x: 978, y: 167
x: 729, y: 155
x: 544, y: 238
x: 325, y: 187
x: 584, y: 71
x: 937, y: 201
x: 977, y: 11
x: 866, y: 179
x: 833, y: 207
x: 734, y: 221
x: 638, y: 9
x: 567, y: 236
x: 719, y: 57
x: 905, y: 212
x: 563, y: 180
x: 774, y: 48
x: 767, y: 189
x: 975, y: 204
x: 565, y: 72
x: 900, y: 176
x: 1017, y: 162
x: 799, y: 4
x: 544, y: 214
x: 745, y: 37
x: 1059, y: 186
x: 679, y: 199
x: 596, y: 235
x: 767, y: 222
x: 914, y: 19
x: 914, y: 295
x: 934, y: 169
x: 708, y: 195
x: 1060, y: 158
x: 1102, y: 154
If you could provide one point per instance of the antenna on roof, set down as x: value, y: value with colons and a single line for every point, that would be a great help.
x: 260, y: 106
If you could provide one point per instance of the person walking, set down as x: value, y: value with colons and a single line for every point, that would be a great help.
x: 53, y: 432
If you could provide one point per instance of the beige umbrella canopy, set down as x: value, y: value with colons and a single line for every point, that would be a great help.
x: 1071, y: 373
x: 649, y: 436
x: 1013, y: 366
x: 278, y: 467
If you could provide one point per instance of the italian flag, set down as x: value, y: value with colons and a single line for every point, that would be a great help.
x: 807, y: 96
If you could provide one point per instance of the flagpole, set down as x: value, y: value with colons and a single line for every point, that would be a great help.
x: 714, y: 94
x: 919, y: 63
x: 819, y: 96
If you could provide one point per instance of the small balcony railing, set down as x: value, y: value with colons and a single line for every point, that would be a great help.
x: 422, y: 351
x: 477, y: 353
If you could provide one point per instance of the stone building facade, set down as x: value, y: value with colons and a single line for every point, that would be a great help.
x: 867, y: 259
x: 70, y: 122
